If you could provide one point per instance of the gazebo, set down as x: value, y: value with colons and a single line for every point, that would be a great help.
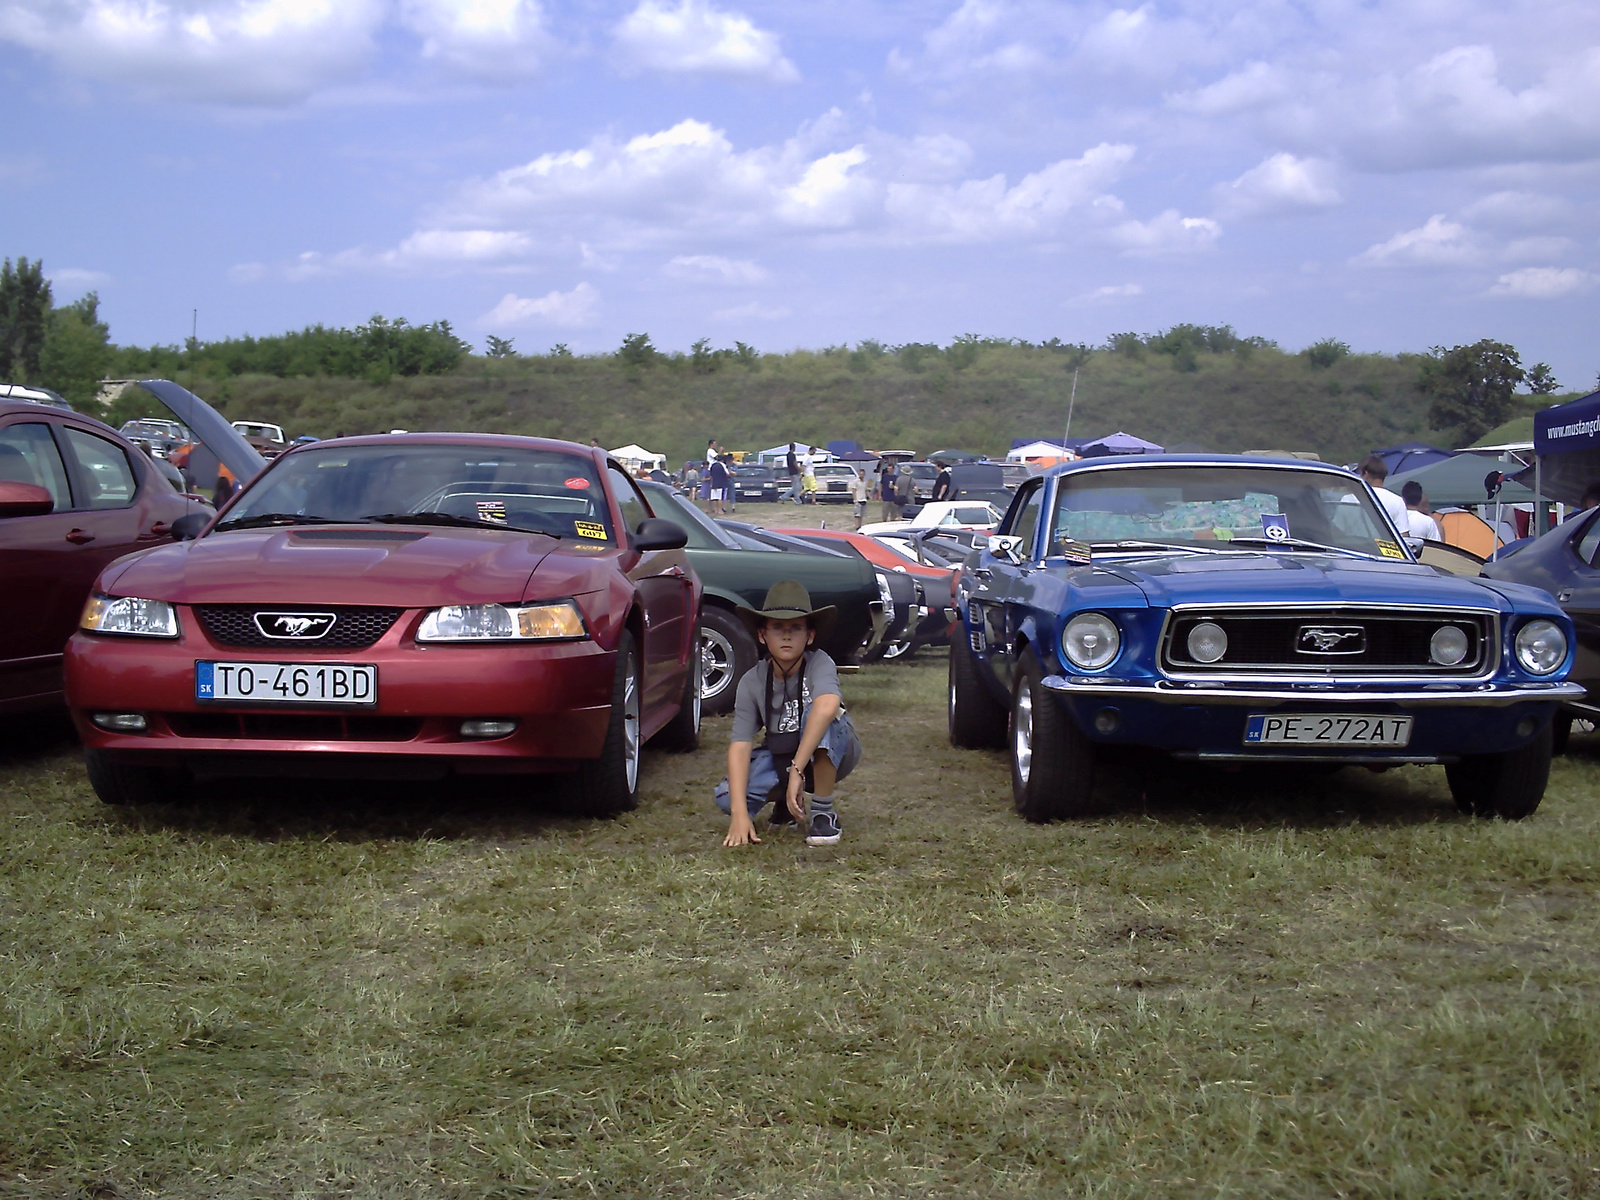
x: 637, y: 456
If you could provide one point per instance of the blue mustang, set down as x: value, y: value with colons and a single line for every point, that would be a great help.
x: 1244, y: 609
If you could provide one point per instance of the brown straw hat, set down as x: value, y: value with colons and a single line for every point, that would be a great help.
x: 787, y: 600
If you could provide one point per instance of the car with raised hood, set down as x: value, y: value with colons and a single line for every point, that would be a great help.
x: 398, y: 607
x: 1242, y: 610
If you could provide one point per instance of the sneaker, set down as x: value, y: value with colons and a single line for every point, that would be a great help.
x: 781, y: 816
x: 825, y: 829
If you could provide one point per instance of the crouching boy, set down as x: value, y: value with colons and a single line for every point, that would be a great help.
x: 811, y: 744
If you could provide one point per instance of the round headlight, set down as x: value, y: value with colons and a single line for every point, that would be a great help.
x: 1090, y: 641
x: 1448, y: 646
x: 1207, y: 642
x: 1541, y: 647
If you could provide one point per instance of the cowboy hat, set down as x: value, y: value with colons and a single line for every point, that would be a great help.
x: 787, y: 600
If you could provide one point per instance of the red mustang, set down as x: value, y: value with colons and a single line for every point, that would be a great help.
x: 398, y: 607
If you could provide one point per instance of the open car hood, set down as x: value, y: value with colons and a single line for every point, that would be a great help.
x: 219, y: 442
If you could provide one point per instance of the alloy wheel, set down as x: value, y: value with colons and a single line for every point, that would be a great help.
x: 716, y: 664
x: 1022, y: 733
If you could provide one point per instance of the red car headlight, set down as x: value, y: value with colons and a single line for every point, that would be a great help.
x: 129, y: 616
x: 555, y: 621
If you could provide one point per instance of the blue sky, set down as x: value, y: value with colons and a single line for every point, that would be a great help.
x: 1397, y: 175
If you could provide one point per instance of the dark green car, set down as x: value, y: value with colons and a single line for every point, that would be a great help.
x: 736, y: 570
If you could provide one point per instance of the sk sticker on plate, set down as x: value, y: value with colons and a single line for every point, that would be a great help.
x: 589, y: 529
x: 492, y: 510
x: 1275, y: 526
x: 1389, y: 549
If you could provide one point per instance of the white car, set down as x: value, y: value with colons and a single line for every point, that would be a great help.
x: 944, y: 514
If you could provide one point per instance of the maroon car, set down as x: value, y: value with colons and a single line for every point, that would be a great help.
x: 74, y: 495
x: 399, y: 607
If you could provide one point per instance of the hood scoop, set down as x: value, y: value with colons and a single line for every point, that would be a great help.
x: 355, y: 535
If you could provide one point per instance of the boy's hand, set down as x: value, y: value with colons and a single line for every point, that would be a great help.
x: 795, y: 796
x: 741, y: 831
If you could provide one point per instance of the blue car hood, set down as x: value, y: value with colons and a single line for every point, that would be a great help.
x: 1231, y: 578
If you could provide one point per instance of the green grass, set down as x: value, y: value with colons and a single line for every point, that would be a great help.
x: 1238, y: 985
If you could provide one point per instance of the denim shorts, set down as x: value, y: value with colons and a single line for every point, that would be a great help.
x: 840, y: 741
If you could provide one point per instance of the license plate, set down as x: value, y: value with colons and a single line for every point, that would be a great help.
x: 286, y: 683
x: 750, y: 492
x: 1327, y: 729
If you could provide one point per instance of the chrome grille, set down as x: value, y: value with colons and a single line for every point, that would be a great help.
x: 353, y: 629
x: 1328, y: 641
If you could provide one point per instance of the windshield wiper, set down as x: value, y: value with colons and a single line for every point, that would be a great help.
x: 1137, y: 544
x: 439, y: 518
x: 1289, y: 543
x: 276, y: 518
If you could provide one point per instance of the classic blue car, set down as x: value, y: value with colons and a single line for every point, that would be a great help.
x: 1244, y: 609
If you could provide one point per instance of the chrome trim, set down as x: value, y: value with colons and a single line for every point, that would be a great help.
x: 1346, y: 759
x: 1334, y: 691
x: 1257, y: 674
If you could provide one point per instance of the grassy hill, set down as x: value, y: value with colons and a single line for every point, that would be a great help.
x: 975, y: 394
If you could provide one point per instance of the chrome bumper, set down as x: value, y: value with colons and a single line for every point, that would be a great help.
x: 1450, y: 695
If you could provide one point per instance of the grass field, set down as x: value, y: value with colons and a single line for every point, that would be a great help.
x: 1238, y: 985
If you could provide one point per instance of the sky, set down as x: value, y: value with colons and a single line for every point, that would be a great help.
x: 1396, y: 175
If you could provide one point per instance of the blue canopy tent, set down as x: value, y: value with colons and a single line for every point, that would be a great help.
x: 841, y: 448
x: 1566, y: 447
x: 1119, y: 443
x: 1411, y: 456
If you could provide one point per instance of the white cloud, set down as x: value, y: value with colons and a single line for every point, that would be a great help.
x: 1533, y: 249
x: 504, y: 39
x: 1518, y: 210
x: 1110, y: 294
x: 713, y: 268
x: 253, y: 52
x: 754, y: 311
x: 1169, y: 233
x: 426, y: 252
x: 76, y: 279
x: 1278, y: 185
x: 569, y: 310
x: 1254, y: 86
x: 1437, y: 243
x: 1543, y: 283
x: 694, y: 37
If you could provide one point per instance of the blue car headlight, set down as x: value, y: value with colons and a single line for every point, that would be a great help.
x: 1541, y: 647
x: 1090, y: 641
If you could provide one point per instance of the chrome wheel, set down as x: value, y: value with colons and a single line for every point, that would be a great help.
x: 630, y: 726
x: 1022, y: 733
x: 716, y: 664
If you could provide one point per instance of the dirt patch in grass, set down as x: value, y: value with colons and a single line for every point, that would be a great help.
x: 1251, y: 983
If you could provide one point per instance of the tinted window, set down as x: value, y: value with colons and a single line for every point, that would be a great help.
x: 105, y: 473
x: 28, y: 454
x: 628, y: 499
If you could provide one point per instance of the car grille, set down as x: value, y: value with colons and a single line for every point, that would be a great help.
x: 1352, y: 641
x: 353, y: 628
x: 297, y: 727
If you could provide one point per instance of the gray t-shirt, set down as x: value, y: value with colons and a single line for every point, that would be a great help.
x: 821, y: 679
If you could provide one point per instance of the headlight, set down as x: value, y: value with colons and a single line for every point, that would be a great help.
x: 1448, y: 646
x: 1541, y: 647
x: 1090, y: 641
x: 1208, y: 642
x: 559, y: 621
x: 129, y: 616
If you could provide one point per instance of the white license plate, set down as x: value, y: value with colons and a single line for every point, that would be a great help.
x: 750, y: 492
x: 286, y: 683
x: 1327, y: 729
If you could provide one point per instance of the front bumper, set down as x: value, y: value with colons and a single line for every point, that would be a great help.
x: 1471, y: 694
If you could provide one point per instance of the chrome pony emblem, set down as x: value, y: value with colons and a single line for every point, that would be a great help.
x: 292, y: 626
x: 1331, y: 639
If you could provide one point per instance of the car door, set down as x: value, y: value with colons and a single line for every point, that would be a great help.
x: 664, y: 584
x: 1006, y: 593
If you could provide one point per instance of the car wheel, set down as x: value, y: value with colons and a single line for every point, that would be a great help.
x: 1508, y: 785
x: 123, y: 783
x: 727, y: 651
x: 1560, y: 733
x: 682, y: 733
x: 1052, y: 762
x: 609, y: 784
x: 977, y: 719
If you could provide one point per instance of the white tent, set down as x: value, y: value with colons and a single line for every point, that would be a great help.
x: 778, y: 454
x: 1037, y: 450
x: 637, y: 456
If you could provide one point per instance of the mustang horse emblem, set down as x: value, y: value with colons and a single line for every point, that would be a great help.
x: 294, y: 626
x: 1320, y: 639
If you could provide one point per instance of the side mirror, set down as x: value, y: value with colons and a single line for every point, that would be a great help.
x: 24, y: 500
x: 1005, y: 546
x: 657, y: 533
x: 187, y: 527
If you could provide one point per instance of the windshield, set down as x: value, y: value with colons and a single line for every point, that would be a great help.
x: 704, y: 533
x: 536, y: 491
x: 1202, y: 506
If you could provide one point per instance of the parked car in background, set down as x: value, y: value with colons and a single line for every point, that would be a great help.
x: 74, y: 496
x: 268, y: 440
x: 737, y: 570
x: 1014, y: 475
x: 399, y: 607
x: 834, y: 481
x: 159, y: 437
x: 980, y: 482
x: 33, y: 394
x: 951, y: 514
x: 1242, y: 610
x: 936, y: 616
x: 923, y: 476
x: 759, y: 484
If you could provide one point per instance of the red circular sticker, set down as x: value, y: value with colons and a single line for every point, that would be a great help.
x: 577, y: 484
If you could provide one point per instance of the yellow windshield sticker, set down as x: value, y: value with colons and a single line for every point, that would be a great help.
x: 589, y: 529
x: 1389, y: 549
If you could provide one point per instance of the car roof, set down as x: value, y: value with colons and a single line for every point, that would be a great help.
x: 1192, y: 460
x: 34, y: 408
x: 453, y: 439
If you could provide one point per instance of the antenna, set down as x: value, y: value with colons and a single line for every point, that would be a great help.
x: 1071, y: 400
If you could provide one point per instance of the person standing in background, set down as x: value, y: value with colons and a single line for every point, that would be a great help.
x: 1375, y: 471
x: 1420, y: 524
x: 941, y: 485
x: 793, y: 464
x: 860, y: 489
x: 886, y: 492
x: 717, y: 474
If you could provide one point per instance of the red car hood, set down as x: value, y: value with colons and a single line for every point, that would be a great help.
x: 406, y: 568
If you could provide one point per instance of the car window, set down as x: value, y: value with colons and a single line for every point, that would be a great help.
x: 973, y: 516
x: 105, y: 471
x: 1025, y: 524
x: 1589, y: 543
x: 704, y: 533
x: 632, y: 504
x: 28, y: 454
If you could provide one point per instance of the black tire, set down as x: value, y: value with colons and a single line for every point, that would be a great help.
x: 682, y: 734
x: 1052, y: 762
x: 123, y: 783
x: 1560, y: 733
x: 605, y: 786
x: 977, y: 720
x: 1508, y: 785
x: 727, y: 651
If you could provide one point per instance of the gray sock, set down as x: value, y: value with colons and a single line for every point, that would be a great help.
x: 823, y: 804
